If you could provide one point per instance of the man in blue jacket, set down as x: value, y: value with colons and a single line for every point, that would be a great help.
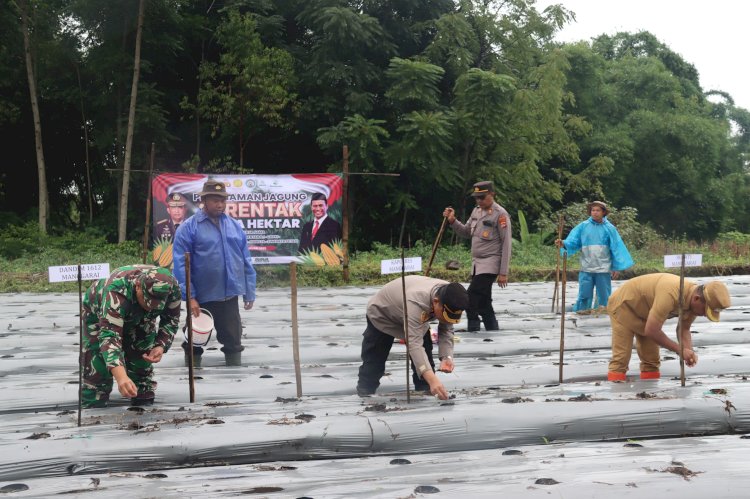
x: 603, y: 255
x: 221, y: 269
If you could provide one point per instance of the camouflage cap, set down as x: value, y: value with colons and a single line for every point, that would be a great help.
x: 157, y: 283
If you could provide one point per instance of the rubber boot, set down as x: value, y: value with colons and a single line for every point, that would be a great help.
x: 233, y: 359
x: 490, y: 323
x: 473, y: 325
x: 196, y: 360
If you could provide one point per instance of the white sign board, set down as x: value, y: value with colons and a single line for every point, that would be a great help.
x: 69, y: 273
x: 690, y: 260
x: 413, y: 264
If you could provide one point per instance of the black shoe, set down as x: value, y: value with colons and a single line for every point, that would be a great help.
x: 364, y: 392
x: 422, y: 387
x: 473, y: 325
x: 136, y: 402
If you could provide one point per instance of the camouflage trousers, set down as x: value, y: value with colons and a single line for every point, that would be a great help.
x: 97, y: 378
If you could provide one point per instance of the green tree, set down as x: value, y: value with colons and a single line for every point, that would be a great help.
x: 250, y: 87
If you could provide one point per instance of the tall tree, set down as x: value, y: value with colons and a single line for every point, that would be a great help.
x: 25, y: 26
x: 123, y: 218
x: 249, y: 88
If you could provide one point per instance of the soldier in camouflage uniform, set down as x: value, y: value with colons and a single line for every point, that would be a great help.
x: 121, y: 340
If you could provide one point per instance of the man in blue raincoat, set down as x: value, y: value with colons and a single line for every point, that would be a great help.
x: 603, y: 255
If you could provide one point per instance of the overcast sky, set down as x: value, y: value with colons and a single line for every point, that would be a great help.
x: 711, y: 35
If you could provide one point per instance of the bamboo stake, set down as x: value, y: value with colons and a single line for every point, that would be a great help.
x: 189, y: 325
x: 295, y: 330
x: 435, y: 246
x: 80, y: 344
x: 406, y: 326
x: 345, y: 216
x: 562, y: 312
x: 147, y: 226
x: 679, y: 321
x: 555, y: 296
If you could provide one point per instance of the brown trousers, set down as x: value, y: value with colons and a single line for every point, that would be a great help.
x: 625, y: 326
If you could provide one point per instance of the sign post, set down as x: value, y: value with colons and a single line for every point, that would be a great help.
x: 69, y: 273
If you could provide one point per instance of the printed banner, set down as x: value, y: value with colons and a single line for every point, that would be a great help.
x: 286, y: 217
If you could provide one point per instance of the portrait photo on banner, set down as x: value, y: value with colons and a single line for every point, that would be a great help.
x: 285, y: 217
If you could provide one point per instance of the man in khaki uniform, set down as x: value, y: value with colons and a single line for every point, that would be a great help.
x: 427, y: 299
x: 489, y: 229
x: 641, y: 306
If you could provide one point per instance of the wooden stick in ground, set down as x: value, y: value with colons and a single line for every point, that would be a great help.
x: 345, y: 216
x: 679, y: 321
x: 562, y: 312
x: 435, y: 246
x: 189, y: 326
x: 555, y: 296
x: 147, y: 226
x: 295, y: 331
x: 80, y: 344
x: 406, y: 326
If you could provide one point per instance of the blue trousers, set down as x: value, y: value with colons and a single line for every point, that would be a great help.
x: 587, y: 281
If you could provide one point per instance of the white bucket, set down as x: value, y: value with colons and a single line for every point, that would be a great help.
x: 203, y: 327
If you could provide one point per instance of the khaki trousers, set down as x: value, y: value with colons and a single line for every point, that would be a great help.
x: 625, y: 326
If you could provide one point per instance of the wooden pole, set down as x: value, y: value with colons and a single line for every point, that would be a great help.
x: 189, y: 325
x: 80, y: 344
x: 295, y: 331
x: 345, y: 215
x: 147, y: 226
x: 555, y: 296
x: 435, y: 246
x: 562, y: 312
x: 406, y: 326
x: 679, y: 321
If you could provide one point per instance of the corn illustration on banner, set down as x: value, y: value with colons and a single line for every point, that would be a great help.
x: 287, y: 218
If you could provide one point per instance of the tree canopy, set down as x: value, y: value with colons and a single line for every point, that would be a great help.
x: 442, y: 92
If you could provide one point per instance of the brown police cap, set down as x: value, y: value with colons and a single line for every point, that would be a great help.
x: 455, y: 300
x: 482, y: 188
x: 214, y: 188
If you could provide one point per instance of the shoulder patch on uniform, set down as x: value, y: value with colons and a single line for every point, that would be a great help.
x: 162, y: 221
x: 502, y: 222
x: 425, y: 316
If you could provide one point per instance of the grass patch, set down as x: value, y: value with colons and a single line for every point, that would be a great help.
x: 25, y: 256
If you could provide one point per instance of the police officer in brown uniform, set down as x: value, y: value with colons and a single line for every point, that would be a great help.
x: 427, y: 299
x: 639, y: 309
x: 490, y: 232
x: 176, y: 209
